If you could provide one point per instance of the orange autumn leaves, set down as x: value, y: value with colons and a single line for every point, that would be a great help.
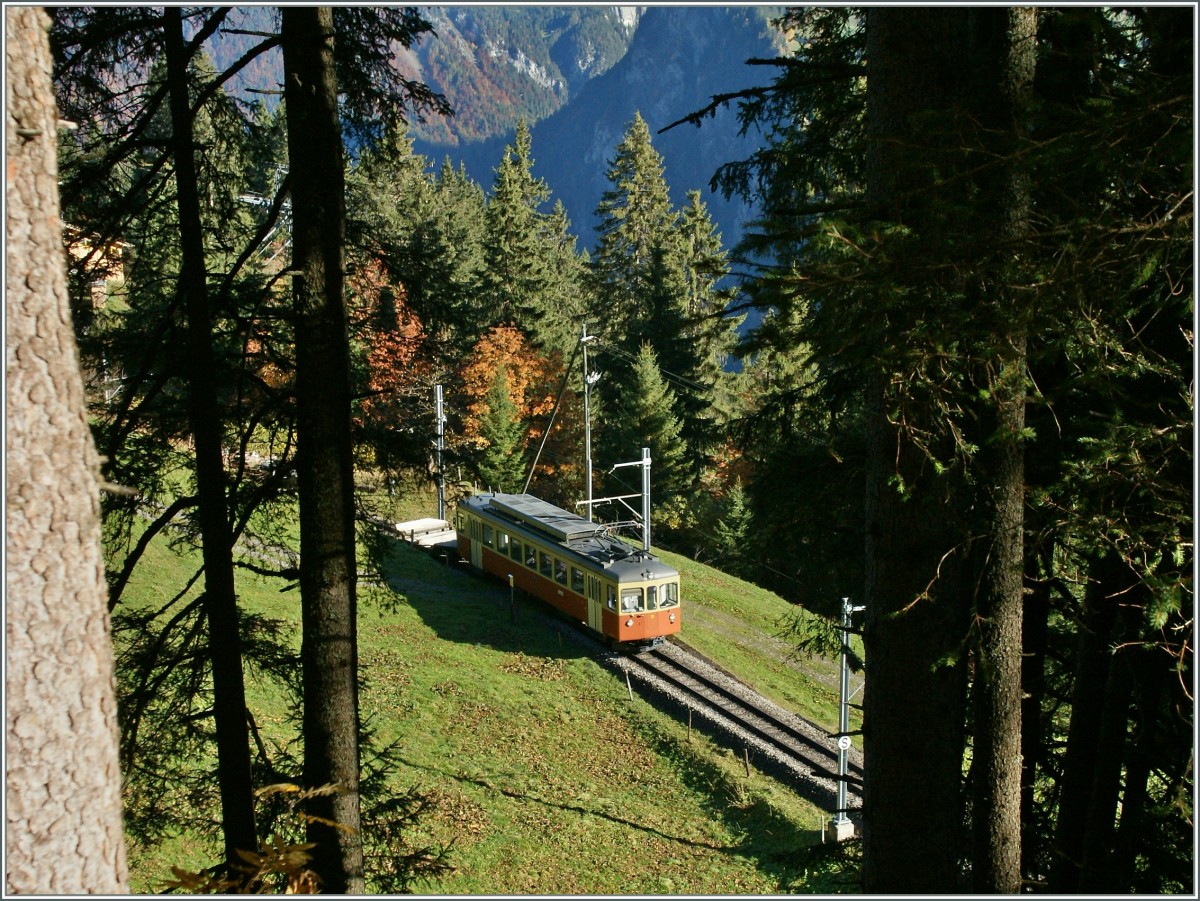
x: 528, y: 376
x: 401, y: 366
x: 398, y: 364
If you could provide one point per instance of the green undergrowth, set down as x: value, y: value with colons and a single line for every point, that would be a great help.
x: 541, y: 773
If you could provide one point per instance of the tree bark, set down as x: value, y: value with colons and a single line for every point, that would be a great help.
x: 63, y: 781
x: 220, y: 599
x: 1004, y: 54
x: 1108, y: 776
x: 325, y: 479
x: 915, y: 620
x: 1152, y: 676
x: 1108, y: 578
x: 1035, y: 641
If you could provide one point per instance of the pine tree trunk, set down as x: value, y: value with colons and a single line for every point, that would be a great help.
x: 62, y: 775
x: 1100, y: 827
x: 915, y: 619
x: 329, y: 649
x: 1107, y: 579
x: 1035, y: 641
x: 220, y: 599
x: 1004, y: 54
x: 1152, y: 676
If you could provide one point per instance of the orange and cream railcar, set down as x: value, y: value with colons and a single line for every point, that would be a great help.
x: 622, y: 592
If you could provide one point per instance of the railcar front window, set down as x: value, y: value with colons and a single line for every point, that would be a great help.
x: 669, y: 597
x: 631, y: 600
x: 652, y: 597
x: 612, y: 597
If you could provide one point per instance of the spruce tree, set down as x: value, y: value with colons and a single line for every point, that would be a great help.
x: 693, y: 338
x: 389, y: 192
x: 644, y: 416
x: 635, y: 224
x: 517, y: 271
x: 325, y: 474
x: 923, y: 264
x: 501, y: 461
x: 534, y: 275
x: 567, y: 298
x: 732, y: 532
x: 448, y: 266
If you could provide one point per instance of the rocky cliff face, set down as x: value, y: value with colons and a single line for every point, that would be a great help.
x: 499, y: 64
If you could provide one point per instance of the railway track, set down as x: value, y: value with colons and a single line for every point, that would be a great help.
x: 797, y: 749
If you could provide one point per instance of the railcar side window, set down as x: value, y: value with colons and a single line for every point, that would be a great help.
x: 612, y: 597
x: 545, y: 564
x: 631, y: 600
x: 560, y: 572
x: 502, y: 543
x: 652, y: 597
x: 577, y: 580
x: 487, y: 535
x: 514, y: 550
x: 670, y: 597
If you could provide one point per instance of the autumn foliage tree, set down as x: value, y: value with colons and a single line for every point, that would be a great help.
x: 527, y: 370
x: 396, y: 369
x: 532, y: 382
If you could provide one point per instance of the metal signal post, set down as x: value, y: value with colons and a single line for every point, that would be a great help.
x: 589, y: 379
x: 441, y: 433
x: 842, y: 827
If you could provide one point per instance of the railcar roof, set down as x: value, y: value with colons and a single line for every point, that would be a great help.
x: 556, y: 522
x: 574, y: 533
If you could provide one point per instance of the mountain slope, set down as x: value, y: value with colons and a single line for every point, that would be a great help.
x: 678, y: 58
x: 498, y: 64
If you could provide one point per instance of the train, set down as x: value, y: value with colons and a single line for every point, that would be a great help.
x: 621, y: 592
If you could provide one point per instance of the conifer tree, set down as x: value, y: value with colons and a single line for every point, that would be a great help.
x: 534, y: 277
x: 62, y: 795
x: 635, y: 224
x: 389, y: 193
x: 501, y: 461
x: 733, y: 531
x: 184, y: 218
x: 445, y: 283
x: 567, y: 298
x: 923, y: 264
x: 517, y: 270
x: 328, y: 565
x: 644, y: 416
x: 692, y: 337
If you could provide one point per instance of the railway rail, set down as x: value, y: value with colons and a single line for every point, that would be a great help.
x: 798, y: 750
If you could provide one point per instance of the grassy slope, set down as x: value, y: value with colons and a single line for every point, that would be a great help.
x: 544, y: 774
